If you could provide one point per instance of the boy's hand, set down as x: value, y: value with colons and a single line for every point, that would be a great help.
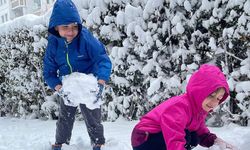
x: 64, y: 96
x: 99, y: 94
x: 224, y: 145
x: 101, y: 82
x: 58, y: 87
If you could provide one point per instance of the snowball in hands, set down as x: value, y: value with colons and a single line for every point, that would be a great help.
x: 81, y: 89
x: 223, y: 145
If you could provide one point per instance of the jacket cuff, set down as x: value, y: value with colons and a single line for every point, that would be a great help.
x: 207, y: 139
x: 53, y: 83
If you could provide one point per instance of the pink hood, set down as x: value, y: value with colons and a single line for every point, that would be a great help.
x: 182, y: 112
x: 204, y: 82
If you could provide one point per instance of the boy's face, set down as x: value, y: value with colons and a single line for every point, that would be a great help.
x: 213, y: 100
x: 68, y: 31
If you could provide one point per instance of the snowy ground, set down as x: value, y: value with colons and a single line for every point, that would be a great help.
x: 18, y: 134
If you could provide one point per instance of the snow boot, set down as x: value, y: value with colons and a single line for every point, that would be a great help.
x: 97, y: 147
x: 57, y: 147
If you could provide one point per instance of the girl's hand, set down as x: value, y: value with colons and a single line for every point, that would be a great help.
x: 224, y: 145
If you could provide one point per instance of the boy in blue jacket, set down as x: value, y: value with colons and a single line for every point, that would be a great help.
x: 72, y: 48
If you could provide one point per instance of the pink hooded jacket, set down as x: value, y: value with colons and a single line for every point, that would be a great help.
x: 182, y: 112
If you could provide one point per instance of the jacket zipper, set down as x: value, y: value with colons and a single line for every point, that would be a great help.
x: 67, y: 58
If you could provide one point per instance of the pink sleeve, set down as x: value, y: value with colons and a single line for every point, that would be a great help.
x: 173, y: 123
x: 203, y: 128
x: 207, y: 139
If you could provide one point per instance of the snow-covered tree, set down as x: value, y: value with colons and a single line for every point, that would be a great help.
x: 154, y: 45
x: 22, y: 86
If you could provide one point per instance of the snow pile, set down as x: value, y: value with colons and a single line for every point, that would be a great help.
x: 19, y: 134
x: 217, y: 147
x: 80, y: 88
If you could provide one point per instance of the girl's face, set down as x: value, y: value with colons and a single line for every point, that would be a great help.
x: 213, y: 100
x: 68, y: 31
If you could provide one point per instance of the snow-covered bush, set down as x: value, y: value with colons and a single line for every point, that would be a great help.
x: 22, y: 85
x: 154, y: 45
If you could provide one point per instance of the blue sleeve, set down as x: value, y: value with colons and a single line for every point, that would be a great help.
x: 98, y: 55
x: 50, y: 67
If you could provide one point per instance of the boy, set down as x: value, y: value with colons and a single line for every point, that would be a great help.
x: 72, y: 48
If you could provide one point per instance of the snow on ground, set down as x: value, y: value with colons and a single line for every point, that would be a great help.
x: 19, y: 134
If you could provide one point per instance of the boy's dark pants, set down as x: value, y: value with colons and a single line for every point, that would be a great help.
x: 66, y: 120
x: 156, y: 141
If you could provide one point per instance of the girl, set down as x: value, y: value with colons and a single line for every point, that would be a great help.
x: 179, y: 123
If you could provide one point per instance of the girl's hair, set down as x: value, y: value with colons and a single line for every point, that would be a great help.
x: 216, y: 91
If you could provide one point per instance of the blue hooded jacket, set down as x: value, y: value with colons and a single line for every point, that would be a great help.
x: 84, y: 54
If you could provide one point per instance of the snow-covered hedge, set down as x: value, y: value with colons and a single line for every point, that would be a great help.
x: 154, y: 46
x: 22, y: 88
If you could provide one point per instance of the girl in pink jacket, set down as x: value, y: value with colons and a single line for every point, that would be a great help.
x: 179, y: 122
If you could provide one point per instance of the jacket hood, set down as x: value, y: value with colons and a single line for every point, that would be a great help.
x: 64, y: 12
x: 204, y: 82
